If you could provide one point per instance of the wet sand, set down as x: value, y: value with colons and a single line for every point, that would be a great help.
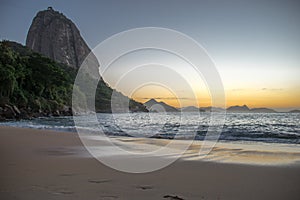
x: 41, y: 164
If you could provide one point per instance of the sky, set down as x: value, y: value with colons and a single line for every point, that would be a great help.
x: 254, y: 44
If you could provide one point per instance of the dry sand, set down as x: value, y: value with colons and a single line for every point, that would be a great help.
x: 40, y: 164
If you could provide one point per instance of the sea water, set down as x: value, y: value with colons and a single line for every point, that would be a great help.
x: 262, y: 127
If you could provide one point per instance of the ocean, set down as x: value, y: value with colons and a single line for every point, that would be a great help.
x: 242, y: 127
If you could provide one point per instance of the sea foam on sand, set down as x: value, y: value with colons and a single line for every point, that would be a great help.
x: 254, y: 153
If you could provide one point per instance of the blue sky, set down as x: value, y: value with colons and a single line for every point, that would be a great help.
x: 255, y: 44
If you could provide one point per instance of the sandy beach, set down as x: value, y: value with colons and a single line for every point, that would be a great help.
x: 43, y: 164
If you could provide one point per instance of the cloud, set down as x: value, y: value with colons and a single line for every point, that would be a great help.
x: 262, y: 89
x: 272, y: 89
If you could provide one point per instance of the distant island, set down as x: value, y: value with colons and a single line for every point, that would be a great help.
x: 246, y: 109
x: 154, y: 106
x: 295, y: 111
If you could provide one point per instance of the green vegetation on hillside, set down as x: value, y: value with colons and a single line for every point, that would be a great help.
x: 37, y: 84
x: 32, y: 81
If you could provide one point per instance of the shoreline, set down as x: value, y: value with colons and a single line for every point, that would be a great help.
x: 73, y: 130
x: 241, y: 152
x: 45, y: 164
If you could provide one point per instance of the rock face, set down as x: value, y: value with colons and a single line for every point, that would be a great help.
x: 55, y: 36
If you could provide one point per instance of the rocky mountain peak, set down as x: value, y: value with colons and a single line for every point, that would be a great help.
x: 57, y: 37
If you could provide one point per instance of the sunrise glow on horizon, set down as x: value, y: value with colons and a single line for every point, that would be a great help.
x: 256, y: 86
x: 285, y: 97
x: 253, y: 98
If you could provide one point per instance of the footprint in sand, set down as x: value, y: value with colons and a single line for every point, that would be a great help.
x: 58, y: 191
x: 173, y: 197
x: 145, y: 187
x: 99, y: 181
x: 67, y: 175
x: 62, y: 192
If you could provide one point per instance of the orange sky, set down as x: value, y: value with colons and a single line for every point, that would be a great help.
x: 276, y: 98
x: 177, y: 83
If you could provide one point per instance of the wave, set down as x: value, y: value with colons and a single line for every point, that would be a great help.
x: 275, y: 128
